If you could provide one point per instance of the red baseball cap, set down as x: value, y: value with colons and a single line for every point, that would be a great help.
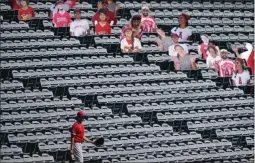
x: 80, y: 114
x: 60, y: 2
x: 240, y: 60
x: 186, y: 17
x: 136, y: 17
x: 127, y: 28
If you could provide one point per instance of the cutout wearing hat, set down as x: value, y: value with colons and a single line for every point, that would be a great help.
x: 186, y: 17
x: 183, y: 30
x: 145, y: 8
x: 147, y: 20
x: 130, y: 43
x: 226, y: 66
x: 78, y: 137
x: 81, y: 114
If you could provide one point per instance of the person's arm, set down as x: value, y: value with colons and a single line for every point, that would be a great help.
x: 55, y: 20
x: 94, y: 18
x: 218, y: 49
x: 88, y: 141
x: 33, y: 13
x: 87, y: 30
x: 122, y: 35
x: 207, y: 62
x: 113, y: 18
x: 235, y: 50
x: 217, y: 66
x: 190, y: 36
x: 160, y: 44
x: 19, y: 15
x: 99, y: 5
x: 193, y: 62
x: 72, y: 29
x: 198, y: 49
x: 176, y: 61
x: 73, y: 133
x: 122, y: 45
x: 233, y: 82
x: 154, y: 26
x: 138, y: 45
x: 116, y: 9
x: 69, y: 19
x: 109, y: 30
x: 194, y: 66
x: 233, y: 79
x: 72, y: 144
x: 248, y: 78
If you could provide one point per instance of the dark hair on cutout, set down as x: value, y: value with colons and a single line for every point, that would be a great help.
x: 27, y: 1
x: 102, y: 11
x: 212, y: 47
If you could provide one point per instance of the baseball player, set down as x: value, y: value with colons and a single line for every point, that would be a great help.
x: 78, y: 137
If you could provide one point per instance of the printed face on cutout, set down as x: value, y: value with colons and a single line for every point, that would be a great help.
x: 179, y: 49
x: 23, y: 3
x: 77, y: 15
x: 182, y: 20
x: 175, y: 39
x: 102, y: 16
x: 145, y: 12
x: 60, y: 6
x: 128, y: 33
x: 136, y: 22
x: 224, y: 55
x: 238, y: 65
x: 212, y: 51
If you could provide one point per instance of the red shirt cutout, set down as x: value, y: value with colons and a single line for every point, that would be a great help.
x: 28, y: 11
x: 103, y: 30
x: 110, y: 17
x: 62, y: 20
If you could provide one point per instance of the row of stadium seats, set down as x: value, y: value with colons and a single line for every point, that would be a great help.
x: 9, y: 85
x: 164, y: 148
x: 24, y: 104
x: 207, y: 114
x: 59, y: 113
x: 188, y: 157
x: 69, y: 61
x: 190, y: 105
x: 53, y: 52
x: 138, y: 88
x: 167, y: 95
x: 29, y: 159
x: 62, y: 123
x: 38, y: 43
x: 26, y: 94
x: 193, y: 21
x: 197, y: 13
x: 29, y: 33
x: 220, y: 123
x: 88, y: 70
x: 111, y: 79
x: 232, y: 132
x: 154, y: 5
